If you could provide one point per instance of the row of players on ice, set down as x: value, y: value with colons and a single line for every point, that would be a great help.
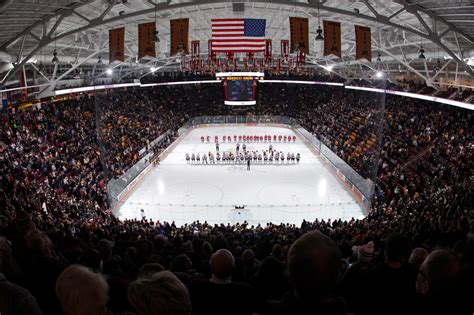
x: 229, y: 157
x: 250, y: 138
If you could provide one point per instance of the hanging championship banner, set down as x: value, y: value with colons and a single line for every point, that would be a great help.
x: 179, y: 29
x: 299, y: 34
x: 146, y: 40
x: 268, y: 50
x: 363, y: 43
x: 117, y: 44
x: 332, y: 38
x: 284, y: 48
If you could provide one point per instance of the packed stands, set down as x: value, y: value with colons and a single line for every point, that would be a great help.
x: 412, y: 254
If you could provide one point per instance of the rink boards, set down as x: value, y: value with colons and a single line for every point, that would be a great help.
x: 289, y: 193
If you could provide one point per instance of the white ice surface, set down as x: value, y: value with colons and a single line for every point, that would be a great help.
x: 180, y: 192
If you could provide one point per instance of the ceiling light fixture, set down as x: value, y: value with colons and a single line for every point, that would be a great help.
x: 422, y: 53
x: 55, y: 57
x: 319, y: 30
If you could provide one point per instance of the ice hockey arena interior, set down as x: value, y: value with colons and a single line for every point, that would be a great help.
x: 236, y: 157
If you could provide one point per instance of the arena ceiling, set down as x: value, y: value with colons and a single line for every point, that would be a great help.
x: 30, y: 30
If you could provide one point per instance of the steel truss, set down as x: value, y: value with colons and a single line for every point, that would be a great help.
x: 434, y: 29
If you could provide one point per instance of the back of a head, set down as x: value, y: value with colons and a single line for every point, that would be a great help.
x: 440, y: 273
x: 314, y: 263
x: 81, y: 291
x: 222, y: 264
x: 418, y: 256
x: 147, y: 270
x: 181, y: 263
x: 160, y: 294
x: 248, y: 257
x: 397, y: 248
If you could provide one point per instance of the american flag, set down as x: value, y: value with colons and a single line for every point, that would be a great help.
x: 238, y: 35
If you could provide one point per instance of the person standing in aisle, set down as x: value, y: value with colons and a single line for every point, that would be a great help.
x: 248, y: 165
x: 217, y: 146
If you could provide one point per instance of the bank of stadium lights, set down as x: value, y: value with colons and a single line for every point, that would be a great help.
x: 329, y: 68
x: 153, y: 69
x: 379, y: 74
x: 109, y: 71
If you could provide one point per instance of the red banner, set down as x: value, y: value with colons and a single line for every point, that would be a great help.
x: 268, y: 50
x: 146, y: 40
x: 332, y: 38
x: 117, y: 44
x: 363, y: 43
x: 179, y: 29
x: 299, y: 34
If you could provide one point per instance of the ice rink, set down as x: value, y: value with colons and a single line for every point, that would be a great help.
x: 182, y: 192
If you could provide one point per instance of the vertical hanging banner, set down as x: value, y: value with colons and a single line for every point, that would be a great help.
x: 363, y: 43
x: 211, y: 53
x: 179, y: 30
x: 285, y: 48
x: 332, y: 38
x: 117, y: 44
x: 146, y: 40
x: 299, y: 34
x: 268, y: 50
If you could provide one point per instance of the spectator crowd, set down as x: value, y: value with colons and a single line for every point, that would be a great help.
x: 63, y: 252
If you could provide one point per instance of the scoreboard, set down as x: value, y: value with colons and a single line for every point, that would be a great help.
x: 240, y: 88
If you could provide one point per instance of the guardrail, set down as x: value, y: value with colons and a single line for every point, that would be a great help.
x: 118, y: 187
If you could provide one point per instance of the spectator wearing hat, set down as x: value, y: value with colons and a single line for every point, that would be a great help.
x: 353, y: 286
x: 391, y: 283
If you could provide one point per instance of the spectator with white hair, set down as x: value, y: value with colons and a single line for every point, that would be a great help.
x: 81, y: 291
x: 160, y: 294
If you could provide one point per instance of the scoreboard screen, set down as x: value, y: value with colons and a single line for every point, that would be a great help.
x: 240, y: 87
x: 240, y: 90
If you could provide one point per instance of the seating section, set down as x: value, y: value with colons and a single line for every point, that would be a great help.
x: 56, y: 160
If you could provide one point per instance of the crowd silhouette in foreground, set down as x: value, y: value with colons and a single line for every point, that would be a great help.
x: 63, y: 252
